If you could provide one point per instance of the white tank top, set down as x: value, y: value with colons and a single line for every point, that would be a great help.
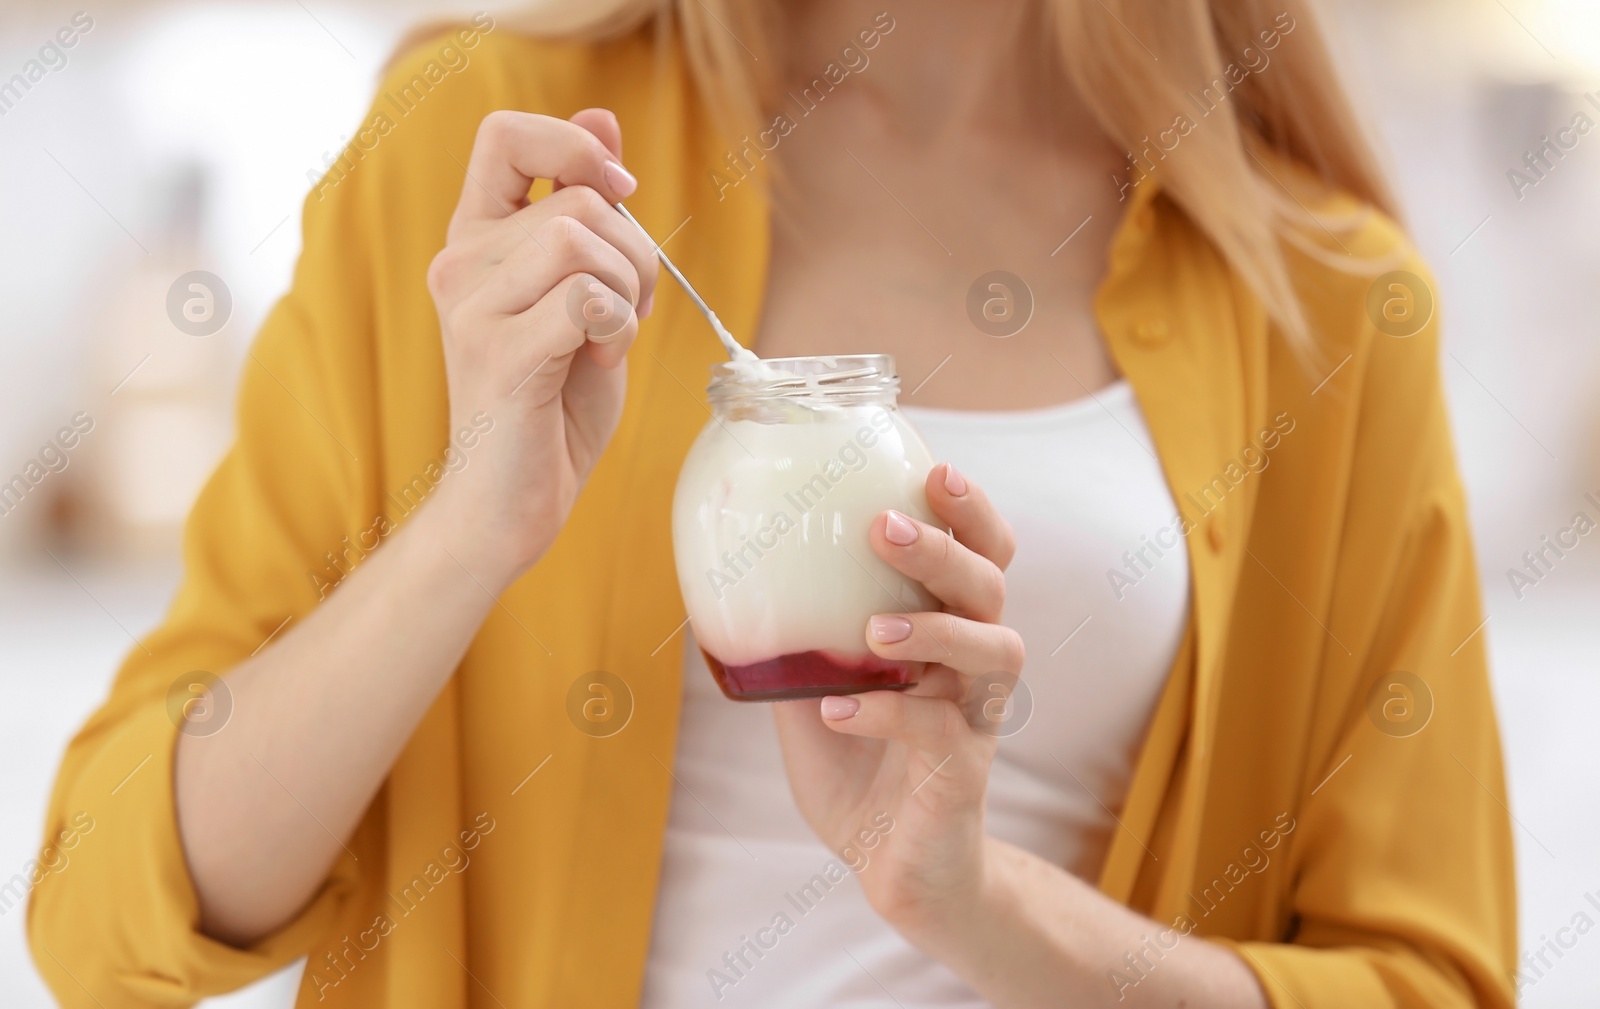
x: 1081, y: 487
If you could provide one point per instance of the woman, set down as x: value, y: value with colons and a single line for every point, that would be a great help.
x: 1261, y: 766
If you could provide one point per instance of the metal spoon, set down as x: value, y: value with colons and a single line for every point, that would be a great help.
x: 735, y: 351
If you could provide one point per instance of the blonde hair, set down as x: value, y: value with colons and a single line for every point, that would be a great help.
x: 1136, y: 65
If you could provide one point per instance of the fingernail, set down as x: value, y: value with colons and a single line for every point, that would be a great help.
x: 954, y: 482
x: 837, y: 709
x: 646, y: 305
x: 888, y: 629
x: 900, y: 531
x: 620, y: 180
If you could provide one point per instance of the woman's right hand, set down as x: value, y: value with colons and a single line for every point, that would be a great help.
x: 538, y: 304
x: 376, y: 652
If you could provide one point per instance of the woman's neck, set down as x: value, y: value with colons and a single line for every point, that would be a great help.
x: 946, y: 68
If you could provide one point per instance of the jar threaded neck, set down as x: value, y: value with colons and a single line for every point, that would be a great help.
x: 816, y: 382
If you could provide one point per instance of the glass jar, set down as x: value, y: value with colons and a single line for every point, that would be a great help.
x: 770, y: 525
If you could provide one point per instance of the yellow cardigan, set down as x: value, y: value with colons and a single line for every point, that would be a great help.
x: 1277, y: 803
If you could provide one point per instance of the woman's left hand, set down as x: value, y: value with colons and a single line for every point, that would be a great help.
x: 895, y: 780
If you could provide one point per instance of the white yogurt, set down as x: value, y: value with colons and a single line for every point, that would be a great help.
x: 770, y: 527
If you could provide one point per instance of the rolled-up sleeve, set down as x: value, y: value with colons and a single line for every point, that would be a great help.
x: 118, y: 926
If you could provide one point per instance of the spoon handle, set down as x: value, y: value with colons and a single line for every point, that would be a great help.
x: 735, y: 351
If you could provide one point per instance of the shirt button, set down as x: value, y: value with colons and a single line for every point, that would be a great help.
x: 1151, y: 333
x: 1214, y: 533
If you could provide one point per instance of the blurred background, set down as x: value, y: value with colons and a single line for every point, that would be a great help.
x: 181, y: 137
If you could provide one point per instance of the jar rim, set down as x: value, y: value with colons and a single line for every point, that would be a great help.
x: 821, y: 379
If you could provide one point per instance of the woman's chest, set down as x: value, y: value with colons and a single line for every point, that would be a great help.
x: 982, y: 304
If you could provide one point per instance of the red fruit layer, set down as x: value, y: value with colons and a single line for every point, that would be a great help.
x: 809, y: 674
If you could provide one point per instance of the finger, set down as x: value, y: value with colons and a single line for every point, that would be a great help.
x: 603, y: 124
x: 934, y: 727
x: 969, y: 584
x: 582, y: 204
x: 965, y: 508
x: 605, y: 322
x: 535, y: 352
x: 939, y: 681
x: 513, y: 149
x: 561, y: 247
x: 969, y: 646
